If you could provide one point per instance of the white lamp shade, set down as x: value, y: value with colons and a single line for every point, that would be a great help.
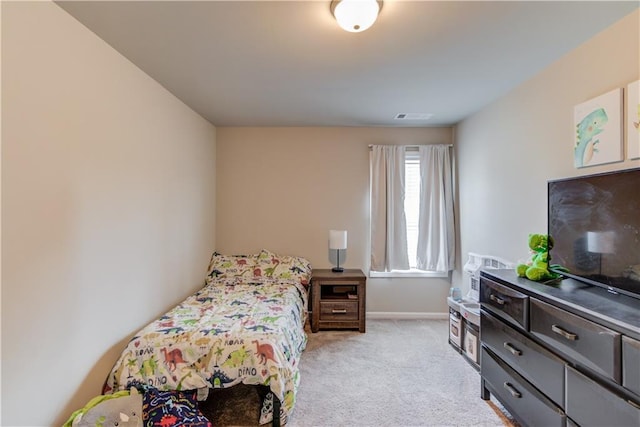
x: 601, y: 242
x: 356, y: 15
x: 337, y: 239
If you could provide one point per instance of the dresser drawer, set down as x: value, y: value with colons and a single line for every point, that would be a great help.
x: 520, y: 398
x: 338, y: 310
x: 508, y: 304
x: 539, y: 366
x: 587, y: 343
x: 631, y: 364
x: 590, y: 404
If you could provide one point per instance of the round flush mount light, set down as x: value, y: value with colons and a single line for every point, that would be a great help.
x: 355, y: 15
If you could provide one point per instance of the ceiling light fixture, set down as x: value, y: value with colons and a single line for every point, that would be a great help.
x: 355, y: 15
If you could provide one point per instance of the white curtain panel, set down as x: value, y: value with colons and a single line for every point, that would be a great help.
x: 436, y: 236
x: 388, y: 222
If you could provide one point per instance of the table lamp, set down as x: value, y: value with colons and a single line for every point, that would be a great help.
x: 338, y: 241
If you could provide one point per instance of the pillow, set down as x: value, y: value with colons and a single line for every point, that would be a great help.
x: 225, y: 266
x: 172, y: 408
x: 282, y: 267
x: 121, y: 408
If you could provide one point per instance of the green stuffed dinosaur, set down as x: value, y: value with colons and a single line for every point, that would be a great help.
x: 538, y: 268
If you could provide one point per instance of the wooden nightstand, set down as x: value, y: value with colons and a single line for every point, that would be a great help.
x: 338, y: 299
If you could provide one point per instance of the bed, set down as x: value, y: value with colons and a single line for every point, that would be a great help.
x: 246, y: 325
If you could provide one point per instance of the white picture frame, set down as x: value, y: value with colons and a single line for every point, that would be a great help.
x: 598, y: 130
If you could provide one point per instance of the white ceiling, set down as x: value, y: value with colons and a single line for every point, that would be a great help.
x: 287, y: 63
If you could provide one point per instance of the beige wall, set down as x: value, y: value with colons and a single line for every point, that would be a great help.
x: 108, y: 209
x: 284, y: 188
x: 108, y: 195
x: 509, y: 150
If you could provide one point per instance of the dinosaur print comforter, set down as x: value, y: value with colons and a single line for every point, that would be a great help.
x: 231, y: 331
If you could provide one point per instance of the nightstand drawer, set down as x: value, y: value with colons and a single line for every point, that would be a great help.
x: 338, y: 310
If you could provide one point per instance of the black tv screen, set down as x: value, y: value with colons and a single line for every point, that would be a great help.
x: 595, y: 223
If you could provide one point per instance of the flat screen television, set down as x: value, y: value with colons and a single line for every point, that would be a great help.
x: 595, y: 223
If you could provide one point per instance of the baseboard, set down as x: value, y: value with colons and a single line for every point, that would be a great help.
x: 401, y: 315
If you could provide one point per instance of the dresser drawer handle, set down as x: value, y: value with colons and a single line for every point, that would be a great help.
x: 512, y: 349
x: 568, y: 335
x: 515, y: 393
x: 634, y: 404
x: 496, y: 299
x: 339, y: 311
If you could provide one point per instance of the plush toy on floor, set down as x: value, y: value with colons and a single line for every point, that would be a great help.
x: 538, y: 268
x: 123, y: 408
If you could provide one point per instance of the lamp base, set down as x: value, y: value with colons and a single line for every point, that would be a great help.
x: 337, y: 269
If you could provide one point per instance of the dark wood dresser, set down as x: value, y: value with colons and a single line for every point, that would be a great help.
x: 558, y: 355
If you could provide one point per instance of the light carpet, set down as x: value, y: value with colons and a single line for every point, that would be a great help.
x: 399, y: 373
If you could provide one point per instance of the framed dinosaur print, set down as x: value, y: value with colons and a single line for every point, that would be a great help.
x: 633, y: 120
x: 598, y: 130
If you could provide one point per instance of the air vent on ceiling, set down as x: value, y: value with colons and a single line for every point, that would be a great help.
x: 413, y: 116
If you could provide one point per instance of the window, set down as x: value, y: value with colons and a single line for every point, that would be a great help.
x: 412, y: 204
x: 412, y: 231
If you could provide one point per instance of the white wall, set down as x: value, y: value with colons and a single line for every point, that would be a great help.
x: 509, y: 150
x: 284, y: 188
x: 108, y: 209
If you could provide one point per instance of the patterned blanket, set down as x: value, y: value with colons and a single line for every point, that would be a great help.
x: 232, y: 331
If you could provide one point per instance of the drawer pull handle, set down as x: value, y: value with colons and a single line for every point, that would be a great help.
x: 634, y: 404
x: 515, y: 393
x: 496, y: 299
x: 568, y: 335
x: 512, y: 349
x: 339, y: 311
